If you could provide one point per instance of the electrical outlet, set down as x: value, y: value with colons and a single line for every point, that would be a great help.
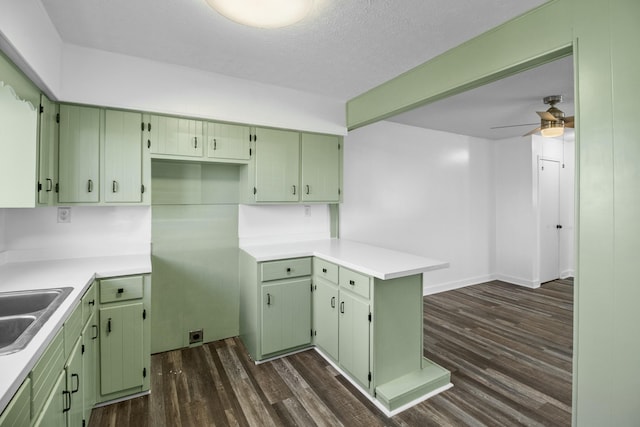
x: 64, y: 215
x: 307, y: 210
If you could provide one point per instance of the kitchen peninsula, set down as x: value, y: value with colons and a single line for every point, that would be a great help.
x: 359, y: 305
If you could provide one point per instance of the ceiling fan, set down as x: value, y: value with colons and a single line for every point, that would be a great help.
x: 552, y: 121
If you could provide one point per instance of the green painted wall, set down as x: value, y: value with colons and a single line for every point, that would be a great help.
x: 603, y: 36
x: 194, y: 230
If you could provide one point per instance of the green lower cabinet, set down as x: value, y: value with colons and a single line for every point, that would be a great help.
x: 124, y: 342
x: 56, y: 406
x: 325, y: 317
x: 89, y: 373
x: 286, y: 309
x: 353, y: 337
x: 75, y: 387
x: 121, y: 348
x: 18, y: 412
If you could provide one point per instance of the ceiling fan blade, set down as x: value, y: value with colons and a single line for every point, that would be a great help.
x: 569, y: 122
x: 545, y: 115
x: 513, y: 126
x: 531, y: 132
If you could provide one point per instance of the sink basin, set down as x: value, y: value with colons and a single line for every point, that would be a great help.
x: 23, y: 313
x: 12, y: 327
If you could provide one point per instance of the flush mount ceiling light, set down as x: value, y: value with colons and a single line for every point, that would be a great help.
x: 263, y: 13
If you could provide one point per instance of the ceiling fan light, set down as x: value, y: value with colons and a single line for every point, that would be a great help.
x: 263, y: 13
x: 551, y: 130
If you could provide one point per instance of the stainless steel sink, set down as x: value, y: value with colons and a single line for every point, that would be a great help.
x: 23, y: 313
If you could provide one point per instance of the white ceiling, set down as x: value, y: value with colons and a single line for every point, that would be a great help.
x: 341, y: 50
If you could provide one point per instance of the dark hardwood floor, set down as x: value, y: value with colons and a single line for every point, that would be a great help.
x: 509, y: 350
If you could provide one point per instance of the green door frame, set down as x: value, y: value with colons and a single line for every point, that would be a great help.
x: 603, y: 36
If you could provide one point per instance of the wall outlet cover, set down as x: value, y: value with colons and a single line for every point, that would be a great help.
x: 64, y: 215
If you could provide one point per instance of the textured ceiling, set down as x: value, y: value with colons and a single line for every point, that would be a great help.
x: 341, y: 50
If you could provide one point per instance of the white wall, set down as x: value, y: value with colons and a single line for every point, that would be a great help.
x: 29, y: 38
x: 102, y: 78
x: 424, y: 192
x: 516, y: 216
x: 34, y: 234
x: 259, y: 224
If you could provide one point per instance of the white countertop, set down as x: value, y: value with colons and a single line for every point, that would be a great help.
x: 77, y: 273
x: 371, y: 260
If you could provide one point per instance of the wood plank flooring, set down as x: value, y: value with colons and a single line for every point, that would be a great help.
x: 509, y: 350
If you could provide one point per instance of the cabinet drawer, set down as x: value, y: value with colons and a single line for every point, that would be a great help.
x: 121, y: 288
x: 326, y: 270
x: 354, y: 282
x: 46, y: 372
x: 274, y: 270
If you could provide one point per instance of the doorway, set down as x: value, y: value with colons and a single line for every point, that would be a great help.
x: 549, y: 214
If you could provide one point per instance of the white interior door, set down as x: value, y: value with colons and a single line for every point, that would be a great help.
x: 549, y: 198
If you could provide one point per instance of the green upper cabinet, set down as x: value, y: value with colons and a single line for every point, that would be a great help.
x: 48, y: 152
x: 79, y: 155
x: 175, y: 136
x: 228, y: 142
x: 122, y: 157
x: 277, y: 172
x: 18, y: 146
x: 320, y: 168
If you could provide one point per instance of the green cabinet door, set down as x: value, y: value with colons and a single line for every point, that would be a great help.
x: 325, y: 317
x: 74, y: 386
x: 56, y: 406
x: 122, y: 157
x: 79, y: 154
x: 286, y: 315
x: 320, y: 168
x: 89, y: 359
x: 18, y: 411
x: 353, y: 345
x: 47, y: 152
x: 277, y: 166
x: 226, y: 141
x: 121, y: 347
x: 176, y: 136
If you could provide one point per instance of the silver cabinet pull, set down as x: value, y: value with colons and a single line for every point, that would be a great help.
x: 90, y: 186
x: 342, y: 307
x: 49, y: 184
x: 333, y: 302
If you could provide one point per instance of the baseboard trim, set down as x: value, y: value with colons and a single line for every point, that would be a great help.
x: 449, y: 286
x: 532, y: 284
x: 567, y: 273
